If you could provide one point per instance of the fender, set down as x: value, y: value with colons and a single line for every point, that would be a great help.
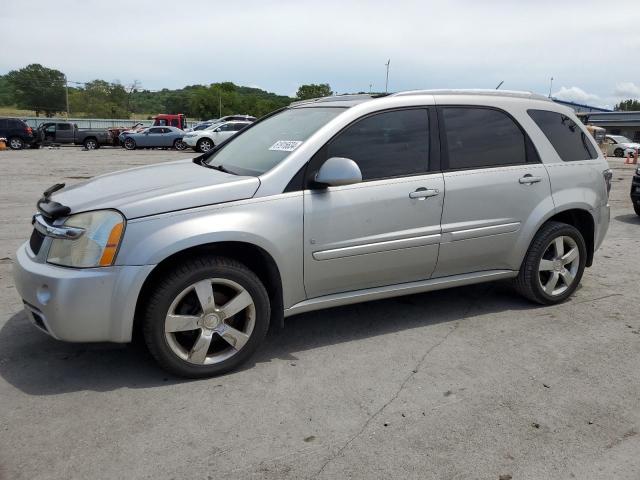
x: 149, y: 240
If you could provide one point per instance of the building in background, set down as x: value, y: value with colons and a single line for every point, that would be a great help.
x: 579, y: 107
x: 616, y: 123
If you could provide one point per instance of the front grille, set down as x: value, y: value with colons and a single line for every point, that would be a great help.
x: 35, y: 242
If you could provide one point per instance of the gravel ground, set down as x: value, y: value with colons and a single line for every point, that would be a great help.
x: 467, y: 383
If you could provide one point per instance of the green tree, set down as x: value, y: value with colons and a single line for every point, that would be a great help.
x: 313, y: 90
x: 6, y: 92
x: 101, y: 99
x: 627, y: 105
x: 38, y: 88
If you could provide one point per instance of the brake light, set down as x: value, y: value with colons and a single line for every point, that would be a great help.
x: 608, y: 175
x: 29, y: 131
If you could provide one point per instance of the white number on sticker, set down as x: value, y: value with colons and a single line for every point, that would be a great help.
x: 285, y: 145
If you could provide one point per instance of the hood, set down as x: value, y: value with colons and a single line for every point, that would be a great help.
x: 159, y: 188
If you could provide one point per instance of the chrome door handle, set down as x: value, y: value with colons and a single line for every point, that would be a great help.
x: 422, y: 193
x: 528, y: 179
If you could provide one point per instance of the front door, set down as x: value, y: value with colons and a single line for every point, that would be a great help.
x: 382, y: 231
x: 495, y: 183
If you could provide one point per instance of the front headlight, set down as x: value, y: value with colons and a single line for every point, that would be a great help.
x: 96, y: 247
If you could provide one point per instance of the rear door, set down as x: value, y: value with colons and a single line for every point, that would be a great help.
x: 386, y: 229
x: 64, y: 133
x: 495, y: 184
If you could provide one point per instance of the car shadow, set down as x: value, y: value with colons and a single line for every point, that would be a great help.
x: 37, y: 364
x: 630, y: 218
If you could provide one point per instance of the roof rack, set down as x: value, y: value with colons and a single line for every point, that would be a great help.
x: 479, y: 91
x: 338, y: 98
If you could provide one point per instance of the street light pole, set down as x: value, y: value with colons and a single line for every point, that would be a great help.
x: 550, y: 86
x: 386, y: 83
x: 66, y: 91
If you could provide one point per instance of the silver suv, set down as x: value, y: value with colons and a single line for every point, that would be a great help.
x: 324, y: 203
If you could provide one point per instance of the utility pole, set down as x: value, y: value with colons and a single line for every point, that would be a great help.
x: 370, y: 85
x: 550, y: 86
x: 219, y: 105
x: 66, y: 91
x: 386, y: 83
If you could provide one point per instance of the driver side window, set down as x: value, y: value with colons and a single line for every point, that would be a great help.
x: 388, y: 144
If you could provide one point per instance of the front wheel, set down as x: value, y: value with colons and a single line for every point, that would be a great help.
x: 16, y: 143
x: 554, y: 264
x: 204, y: 145
x: 130, y: 144
x: 618, y: 152
x: 205, y: 317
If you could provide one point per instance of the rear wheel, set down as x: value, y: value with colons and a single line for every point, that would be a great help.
x: 204, y: 145
x: 129, y: 143
x: 205, y: 317
x: 90, y: 143
x: 16, y: 143
x: 554, y: 264
x: 636, y: 207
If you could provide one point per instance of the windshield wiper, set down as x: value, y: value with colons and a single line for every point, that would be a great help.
x: 203, y: 163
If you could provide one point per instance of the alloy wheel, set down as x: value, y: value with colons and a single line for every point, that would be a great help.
x: 210, y: 321
x: 559, y: 265
x: 205, y: 145
x: 16, y: 143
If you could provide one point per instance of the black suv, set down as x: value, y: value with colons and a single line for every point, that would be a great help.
x: 17, y: 133
x: 635, y: 191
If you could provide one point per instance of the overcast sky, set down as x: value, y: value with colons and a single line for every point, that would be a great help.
x: 589, y: 47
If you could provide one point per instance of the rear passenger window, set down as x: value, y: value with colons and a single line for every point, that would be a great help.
x: 570, y: 142
x: 482, y: 137
x: 64, y: 126
x: 390, y: 144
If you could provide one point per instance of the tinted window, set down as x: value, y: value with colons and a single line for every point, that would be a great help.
x: 482, y: 137
x: 570, y: 142
x: 239, y: 126
x: 389, y: 144
x: 155, y: 130
x: 64, y: 126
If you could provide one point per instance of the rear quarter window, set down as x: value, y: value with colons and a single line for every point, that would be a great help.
x: 568, y: 139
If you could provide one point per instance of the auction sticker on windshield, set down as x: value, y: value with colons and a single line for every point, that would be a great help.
x: 285, y: 145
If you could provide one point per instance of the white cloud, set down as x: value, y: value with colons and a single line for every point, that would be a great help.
x: 575, y: 94
x: 627, y: 90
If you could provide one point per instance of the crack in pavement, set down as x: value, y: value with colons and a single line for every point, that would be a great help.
x: 415, y: 370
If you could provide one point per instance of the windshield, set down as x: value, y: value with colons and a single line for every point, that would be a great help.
x: 621, y: 139
x: 269, y: 142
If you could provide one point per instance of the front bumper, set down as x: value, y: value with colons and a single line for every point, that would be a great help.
x: 79, y: 304
x: 635, y: 190
x: 191, y: 141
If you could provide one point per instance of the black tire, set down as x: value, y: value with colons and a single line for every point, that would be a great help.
x: 129, y: 143
x: 179, y: 145
x: 91, y: 143
x: 618, y: 152
x: 169, y: 287
x: 34, y: 146
x: 636, y: 207
x: 528, y: 281
x: 200, y: 146
x: 16, y: 143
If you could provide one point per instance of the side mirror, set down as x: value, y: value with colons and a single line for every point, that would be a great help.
x: 338, y: 171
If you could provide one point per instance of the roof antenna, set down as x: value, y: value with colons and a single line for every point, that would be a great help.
x: 499, y: 85
x: 386, y: 83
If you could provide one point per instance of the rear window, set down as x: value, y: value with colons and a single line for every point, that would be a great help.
x: 568, y: 139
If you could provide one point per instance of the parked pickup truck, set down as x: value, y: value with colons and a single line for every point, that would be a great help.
x: 67, y: 132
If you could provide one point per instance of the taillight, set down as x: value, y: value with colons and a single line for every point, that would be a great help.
x: 608, y: 175
x: 29, y: 131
